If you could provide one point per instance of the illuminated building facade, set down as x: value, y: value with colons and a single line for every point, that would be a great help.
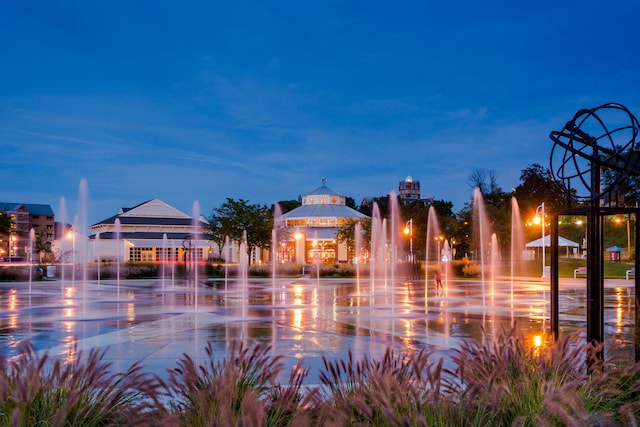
x: 308, y: 232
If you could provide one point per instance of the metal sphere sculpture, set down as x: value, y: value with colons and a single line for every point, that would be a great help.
x: 597, y: 139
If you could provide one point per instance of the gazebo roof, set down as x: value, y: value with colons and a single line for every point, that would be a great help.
x: 562, y: 242
x: 323, y: 191
x: 323, y: 211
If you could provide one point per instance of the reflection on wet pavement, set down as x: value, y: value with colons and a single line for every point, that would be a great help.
x: 144, y: 320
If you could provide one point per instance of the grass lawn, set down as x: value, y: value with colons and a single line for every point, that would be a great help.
x: 612, y: 270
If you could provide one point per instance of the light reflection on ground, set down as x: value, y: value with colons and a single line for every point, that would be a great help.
x: 310, y: 318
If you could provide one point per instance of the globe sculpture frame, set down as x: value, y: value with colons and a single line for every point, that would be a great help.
x: 597, y: 149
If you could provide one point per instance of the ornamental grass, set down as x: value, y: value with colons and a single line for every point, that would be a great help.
x: 502, y: 382
x: 238, y: 390
x: 76, y: 391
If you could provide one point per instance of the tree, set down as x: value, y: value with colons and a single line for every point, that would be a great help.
x: 626, y: 191
x: 350, y: 202
x: 536, y: 186
x: 5, y: 223
x: 288, y: 205
x: 462, y: 231
x: 416, y: 212
x: 450, y: 226
x: 233, y: 217
x: 347, y: 234
x: 381, y: 201
x: 485, y: 180
x: 216, y: 231
x: 497, y: 203
x: 5, y: 226
x: 42, y: 245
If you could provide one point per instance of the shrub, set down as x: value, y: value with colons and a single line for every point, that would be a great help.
x: 141, y: 270
x: 13, y: 273
x: 259, y: 272
x: 213, y: 270
x: 10, y: 274
x: 288, y: 270
x: 466, y: 268
x: 337, y: 270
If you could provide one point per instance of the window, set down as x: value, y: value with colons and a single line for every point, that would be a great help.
x: 322, y: 222
x: 170, y: 254
x: 296, y: 223
x: 141, y: 254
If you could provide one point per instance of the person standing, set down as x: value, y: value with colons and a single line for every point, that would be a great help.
x: 438, y: 279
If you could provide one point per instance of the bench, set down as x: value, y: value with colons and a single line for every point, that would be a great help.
x: 631, y: 272
x: 580, y: 270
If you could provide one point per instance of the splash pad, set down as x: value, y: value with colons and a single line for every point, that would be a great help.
x: 308, y: 319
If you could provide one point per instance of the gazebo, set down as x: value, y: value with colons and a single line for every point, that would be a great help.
x: 562, y: 242
x: 311, y: 229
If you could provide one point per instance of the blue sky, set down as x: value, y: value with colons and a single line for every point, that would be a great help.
x: 186, y: 101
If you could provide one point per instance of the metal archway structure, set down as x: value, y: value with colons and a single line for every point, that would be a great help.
x: 597, y: 150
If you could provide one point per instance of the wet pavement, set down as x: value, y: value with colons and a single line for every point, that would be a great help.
x: 305, y: 318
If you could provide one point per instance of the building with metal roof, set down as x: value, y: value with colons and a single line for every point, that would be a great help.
x: 151, y: 231
x: 312, y: 228
x: 25, y: 217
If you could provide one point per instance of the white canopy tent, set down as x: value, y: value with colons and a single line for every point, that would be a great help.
x: 562, y: 242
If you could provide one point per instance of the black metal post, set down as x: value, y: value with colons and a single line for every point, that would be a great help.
x: 637, y: 287
x: 554, y: 309
x: 595, y: 276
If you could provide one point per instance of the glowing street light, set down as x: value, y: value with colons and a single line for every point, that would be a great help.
x: 539, y: 219
x: 408, y: 231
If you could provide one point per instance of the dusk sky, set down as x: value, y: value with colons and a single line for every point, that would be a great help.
x: 200, y: 101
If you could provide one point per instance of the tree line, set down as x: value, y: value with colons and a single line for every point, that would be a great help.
x: 233, y: 218
x: 536, y: 186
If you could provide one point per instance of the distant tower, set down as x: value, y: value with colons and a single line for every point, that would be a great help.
x: 409, y: 189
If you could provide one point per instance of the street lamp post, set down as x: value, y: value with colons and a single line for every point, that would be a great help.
x: 12, y: 246
x: 438, y: 254
x: 618, y: 220
x: 71, y: 234
x: 539, y: 219
x: 408, y: 231
x: 453, y: 249
x: 629, y: 236
x: 187, y: 254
